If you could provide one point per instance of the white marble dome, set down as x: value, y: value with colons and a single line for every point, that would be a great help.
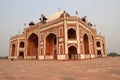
x: 54, y: 16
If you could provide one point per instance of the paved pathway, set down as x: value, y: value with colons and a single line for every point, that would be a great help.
x: 92, y: 69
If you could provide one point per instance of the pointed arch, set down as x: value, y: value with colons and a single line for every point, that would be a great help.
x: 86, y: 44
x: 99, y: 54
x: 22, y: 44
x: 13, y: 50
x: 21, y: 55
x: 71, y: 33
x: 72, y: 52
x: 103, y: 48
x: 51, y: 45
x: 98, y: 44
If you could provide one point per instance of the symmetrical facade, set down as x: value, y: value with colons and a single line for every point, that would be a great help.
x: 61, y: 37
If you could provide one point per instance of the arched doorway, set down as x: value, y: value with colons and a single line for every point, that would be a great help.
x: 13, y: 50
x: 104, y: 49
x: 21, y: 55
x: 98, y: 44
x: 99, y: 53
x: 51, y: 45
x: 72, y: 53
x: 71, y: 34
x: 33, y: 45
x: 21, y: 44
x: 86, y: 44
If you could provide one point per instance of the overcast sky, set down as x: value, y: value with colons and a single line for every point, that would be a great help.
x: 105, y: 14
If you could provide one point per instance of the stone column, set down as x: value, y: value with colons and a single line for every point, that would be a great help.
x: 17, y: 56
x: 78, y: 35
x: 65, y: 35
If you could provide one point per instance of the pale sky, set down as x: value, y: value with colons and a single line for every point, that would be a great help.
x: 105, y: 14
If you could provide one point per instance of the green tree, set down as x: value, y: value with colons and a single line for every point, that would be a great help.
x: 112, y: 54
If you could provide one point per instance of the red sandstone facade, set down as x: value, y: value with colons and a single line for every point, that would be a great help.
x: 61, y: 37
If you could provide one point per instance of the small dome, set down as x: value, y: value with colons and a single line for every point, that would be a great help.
x: 54, y: 16
x: 31, y: 23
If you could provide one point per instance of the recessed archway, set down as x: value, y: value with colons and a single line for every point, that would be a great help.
x: 71, y: 34
x: 21, y: 55
x: 86, y: 44
x: 99, y: 54
x: 72, y: 52
x: 51, y: 45
x: 98, y: 44
x: 104, y: 49
x: 33, y: 45
x: 13, y: 50
x: 21, y: 44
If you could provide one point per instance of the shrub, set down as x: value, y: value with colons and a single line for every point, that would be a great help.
x: 113, y: 54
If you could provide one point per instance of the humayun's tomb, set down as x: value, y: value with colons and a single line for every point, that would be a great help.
x: 61, y: 36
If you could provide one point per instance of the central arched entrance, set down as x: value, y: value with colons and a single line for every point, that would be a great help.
x: 72, y: 53
x: 33, y: 45
x: 86, y: 44
x: 51, y: 45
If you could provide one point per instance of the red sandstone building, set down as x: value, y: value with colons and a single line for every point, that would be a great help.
x: 61, y: 37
